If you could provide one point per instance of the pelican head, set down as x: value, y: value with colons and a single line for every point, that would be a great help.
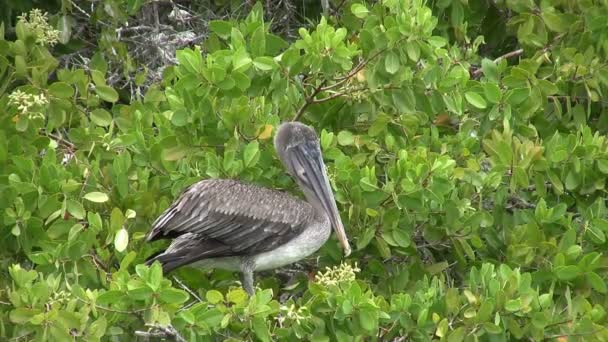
x: 299, y: 150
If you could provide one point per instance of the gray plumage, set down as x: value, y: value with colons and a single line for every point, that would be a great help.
x: 229, y: 218
x: 244, y: 227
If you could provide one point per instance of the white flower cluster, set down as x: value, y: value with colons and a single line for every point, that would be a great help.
x: 293, y: 314
x: 25, y: 102
x: 337, y: 274
x: 37, y: 23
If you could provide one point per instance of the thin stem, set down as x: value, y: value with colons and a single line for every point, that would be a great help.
x: 125, y: 312
x: 511, y: 54
x: 160, y: 332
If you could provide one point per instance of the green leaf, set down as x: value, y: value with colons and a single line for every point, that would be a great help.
x: 457, y: 335
x: 475, y: 99
x: 548, y: 88
x: 368, y: 318
x: 110, y: 297
x: 567, y: 272
x: 556, y: 182
x: 97, y: 197
x: 490, y: 70
x: 437, y: 267
x: 260, y: 328
x: 236, y: 296
x: 359, y: 11
x: 213, y: 318
x: 106, y: 93
x: 173, y: 296
x: 554, y: 21
x: 484, y: 314
x: 513, y: 305
x: 23, y: 315
x: 251, y: 154
x: 98, y: 328
x: 179, y: 118
x: 20, y: 66
x: 346, y: 138
x: 442, y: 328
x: 572, y: 180
x: 401, y: 237
x: 596, y: 234
x: 155, y: 276
x: 597, y: 282
x: 539, y: 320
x: 243, y: 81
x: 214, y: 296
x: 121, y: 240
x: 437, y: 41
x: 101, y: 117
x: 602, y: 165
x: 22, y: 123
x: 517, y: 96
x: 413, y: 51
x: 492, y: 92
x: 391, y: 63
x: 241, y: 60
x: 221, y: 27
x: 264, y: 63
x: 76, y: 209
x: 61, y: 90
x: 191, y: 60
x: 258, y: 42
x: 404, y: 100
x: 74, y: 231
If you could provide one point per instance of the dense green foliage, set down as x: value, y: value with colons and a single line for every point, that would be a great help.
x: 465, y: 142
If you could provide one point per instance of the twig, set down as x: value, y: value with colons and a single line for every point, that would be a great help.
x: 339, y: 81
x: 511, y: 54
x: 339, y: 6
x: 350, y: 91
x: 61, y: 140
x: 309, y: 100
x: 187, y: 289
x: 98, y: 262
x: 125, y: 312
x: 330, y: 97
x: 168, y: 331
x: 554, y: 337
x: 86, y: 14
x: 21, y: 336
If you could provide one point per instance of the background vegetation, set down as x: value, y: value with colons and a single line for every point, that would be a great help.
x: 466, y: 142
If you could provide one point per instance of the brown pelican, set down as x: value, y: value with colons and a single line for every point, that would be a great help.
x: 219, y: 223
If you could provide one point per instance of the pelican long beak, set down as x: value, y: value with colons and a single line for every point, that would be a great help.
x: 316, y: 182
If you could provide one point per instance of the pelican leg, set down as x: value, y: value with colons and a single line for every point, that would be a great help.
x: 247, y: 280
x: 247, y: 266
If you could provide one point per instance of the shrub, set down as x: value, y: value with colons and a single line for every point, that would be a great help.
x: 471, y: 182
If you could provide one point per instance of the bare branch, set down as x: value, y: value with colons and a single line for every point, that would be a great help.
x: 511, y: 54
x: 125, y: 312
x: 162, y: 332
x: 339, y: 81
x: 309, y: 100
x: 187, y: 289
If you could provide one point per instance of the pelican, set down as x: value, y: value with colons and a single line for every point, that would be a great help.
x: 227, y: 224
